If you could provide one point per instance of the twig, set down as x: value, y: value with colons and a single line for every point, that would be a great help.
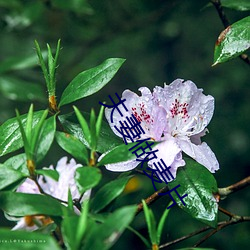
x: 235, y: 220
x: 224, y: 211
x: 152, y: 198
x: 226, y: 23
x: 204, y: 229
x: 224, y: 192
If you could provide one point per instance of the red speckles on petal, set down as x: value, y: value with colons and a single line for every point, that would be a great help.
x: 179, y: 109
x: 141, y: 114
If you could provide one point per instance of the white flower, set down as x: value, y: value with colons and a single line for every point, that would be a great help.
x: 58, y: 189
x: 176, y: 116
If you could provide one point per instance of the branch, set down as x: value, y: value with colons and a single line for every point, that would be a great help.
x: 224, y: 192
x: 235, y: 220
x: 152, y: 198
x: 226, y: 23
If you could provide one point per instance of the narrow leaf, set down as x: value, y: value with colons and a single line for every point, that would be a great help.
x: 16, y: 240
x: 241, y: 5
x: 20, y: 204
x: 161, y: 224
x: 90, y: 81
x: 109, y: 232
x: 10, y: 136
x: 73, y: 146
x: 84, y: 125
x: 108, y: 193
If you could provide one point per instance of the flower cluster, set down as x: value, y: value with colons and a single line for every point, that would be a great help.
x: 58, y: 189
x: 176, y: 116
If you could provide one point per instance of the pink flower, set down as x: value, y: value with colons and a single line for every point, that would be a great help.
x: 177, y: 116
x: 58, y: 189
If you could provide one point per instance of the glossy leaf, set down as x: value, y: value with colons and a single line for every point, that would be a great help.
x: 73, y: 146
x: 10, y: 136
x: 18, y: 162
x: 19, y: 90
x: 199, y: 184
x: 87, y: 177
x: 16, y: 240
x: 108, y: 193
x: 241, y: 5
x: 90, y: 81
x: 46, y: 137
x: 20, y: 204
x: 9, y: 175
x: 107, y: 138
x: 53, y: 174
x: 84, y: 125
x: 233, y: 41
x: 120, y: 153
x: 105, y: 235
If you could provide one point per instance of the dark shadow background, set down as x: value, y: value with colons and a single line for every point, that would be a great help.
x: 161, y: 41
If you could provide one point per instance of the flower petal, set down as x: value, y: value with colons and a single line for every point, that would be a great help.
x: 29, y: 187
x: 122, y: 166
x: 59, y: 189
x: 145, y: 110
x: 201, y: 153
x: 170, y: 153
x: 189, y: 110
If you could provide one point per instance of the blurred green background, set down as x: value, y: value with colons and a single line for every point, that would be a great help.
x: 161, y: 41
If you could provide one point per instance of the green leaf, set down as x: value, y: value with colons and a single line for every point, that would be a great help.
x: 8, y: 176
x: 107, y: 139
x: 143, y: 239
x: 241, y: 5
x: 120, y: 153
x: 195, y: 248
x: 78, y: 6
x: 104, y: 236
x: 18, y: 162
x: 99, y: 122
x: 53, y: 174
x: 10, y: 136
x: 69, y: 230
x: 82, y: 223
x: 16, y: 240
x: 92, y: 127
x: 161, y: 224
x: 19, y: 63
x: 90, y: 81
x: 19, y: 90
x: 84, y: 125
x: 20, y: 204
x: 46, y: 138
x: 73, y: 146
x: 199, y: 184
x: 87, y: 177
x: 233, y: 41
x: 150, y: 219
x: 108, y: 193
